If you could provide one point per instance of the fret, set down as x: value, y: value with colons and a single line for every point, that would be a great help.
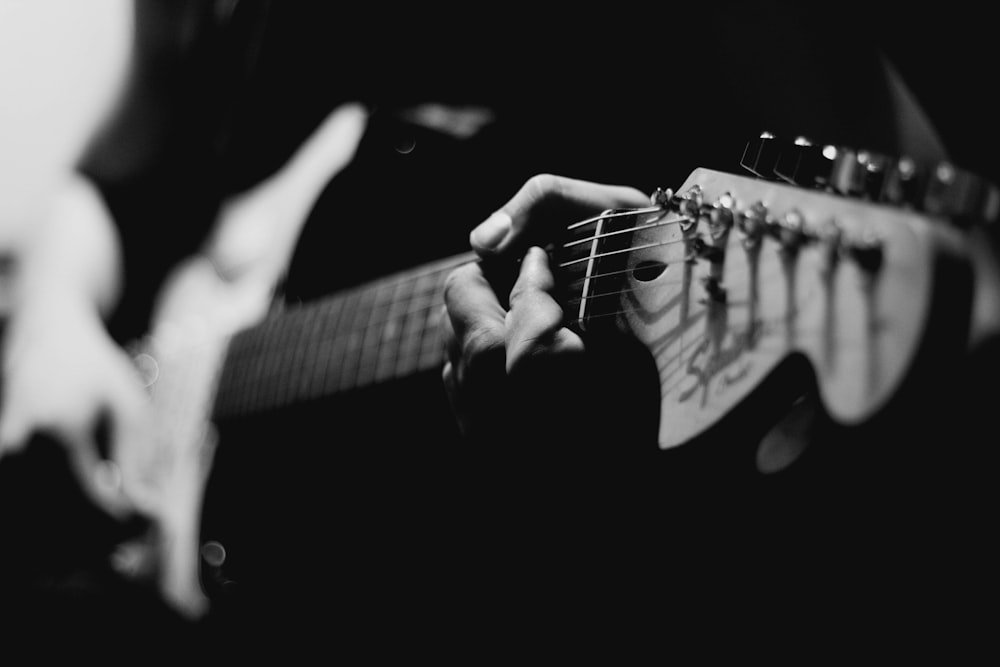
x: 360, y: 336
x: 264, y: 387
x: 432, y: 347
x: 316, y: 375
x: 252, y: 343
x: 416, y: 324
x: 392, y: 332
x: 261, y: 343
x: 373, y: 333
x: 238, y: 371
x: 282, y: 378
x: 268, y: 333
x: 408, y: 351
x: 571, y: 279
x: 585, y: 289
x: 605, y: 280
x: 354, y: 338
x: 230, y: 392
x: 333, y: 369
x: 305, y: 353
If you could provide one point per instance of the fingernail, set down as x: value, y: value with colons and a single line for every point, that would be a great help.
x: 491, y: 231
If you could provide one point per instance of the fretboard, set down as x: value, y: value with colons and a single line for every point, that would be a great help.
x: 365, y: 335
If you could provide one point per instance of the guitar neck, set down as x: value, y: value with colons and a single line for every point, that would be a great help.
x: 362, y: 336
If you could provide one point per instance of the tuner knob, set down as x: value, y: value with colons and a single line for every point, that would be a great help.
x: 797, y: 163
x: 960, y: 195
x: 904, y: 183
x: 662, y: 197
x: 847, y: 174
x: 859, y: 173
x: 875, y: 166
x: 761, y: 155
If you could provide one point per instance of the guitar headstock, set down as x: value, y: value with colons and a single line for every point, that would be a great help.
x: 731, y: 275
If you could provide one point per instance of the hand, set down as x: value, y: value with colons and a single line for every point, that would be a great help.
x: 64, y: 377
x: 509, y: 354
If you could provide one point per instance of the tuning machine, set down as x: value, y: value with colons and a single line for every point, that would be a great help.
x: 761, y: 154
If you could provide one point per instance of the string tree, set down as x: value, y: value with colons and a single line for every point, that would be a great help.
x: 664, y: 198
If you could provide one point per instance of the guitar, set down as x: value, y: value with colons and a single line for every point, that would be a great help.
x: 721, y: 282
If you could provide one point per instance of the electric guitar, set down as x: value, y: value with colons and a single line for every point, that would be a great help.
x: 721, y: 281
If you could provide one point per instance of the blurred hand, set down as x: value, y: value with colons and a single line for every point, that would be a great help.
x: 64, y: 377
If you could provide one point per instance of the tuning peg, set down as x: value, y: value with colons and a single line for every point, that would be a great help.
x: 874, y: 166
x: 823, y: 161
x: 761, y: 155
x: 847, y: 174
x: 797, y: 163
x: 959, y: 194
x: 904, y: 183
x: 859, y: 173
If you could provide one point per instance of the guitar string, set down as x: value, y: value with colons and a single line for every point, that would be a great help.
x: 685, y: 350
x: 618, y: 252
x: 362, y: 333
x: 439, y: 269
x: 418, y: 356
x: 436, y: 303
x: 614, y: 214
x: 433, y: 293
x: 576, y: 301
x: 606, y: 274
x: 450, y: 263
x: 628, y: 230
x: 591, y: 318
